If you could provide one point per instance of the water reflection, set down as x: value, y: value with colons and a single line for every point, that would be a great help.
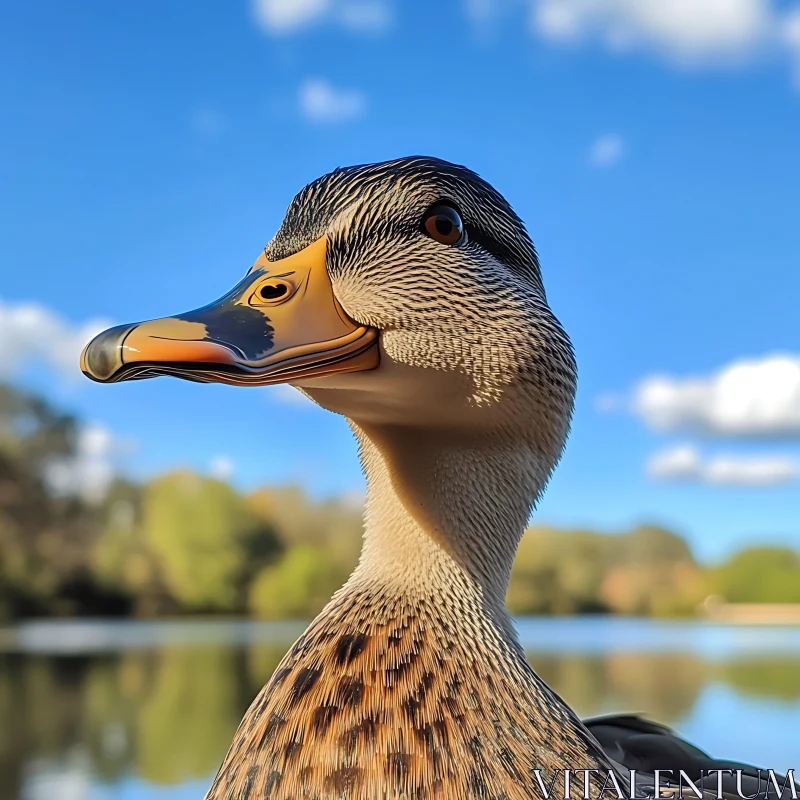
x: 133, y: 716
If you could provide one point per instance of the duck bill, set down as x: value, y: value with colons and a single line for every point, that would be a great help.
x: 281, y: 324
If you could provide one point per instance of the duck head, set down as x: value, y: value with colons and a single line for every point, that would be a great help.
x: 401, y: 293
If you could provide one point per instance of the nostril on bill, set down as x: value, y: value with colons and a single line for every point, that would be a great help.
x: 102, y: 357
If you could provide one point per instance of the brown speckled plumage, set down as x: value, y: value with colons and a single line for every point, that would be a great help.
x: 383, y: 697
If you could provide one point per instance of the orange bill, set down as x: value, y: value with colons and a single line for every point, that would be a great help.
x: 280, y: 324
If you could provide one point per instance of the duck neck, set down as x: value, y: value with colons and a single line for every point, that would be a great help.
x: 412, y: 683
x: 445, y: 511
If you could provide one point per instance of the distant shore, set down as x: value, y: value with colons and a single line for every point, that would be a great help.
x: 717, y: 610
x: 575, y: 634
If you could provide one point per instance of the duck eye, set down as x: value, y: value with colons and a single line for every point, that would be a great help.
x: 443, y: 224
x: 274, y: 291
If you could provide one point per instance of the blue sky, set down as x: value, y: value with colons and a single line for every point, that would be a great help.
x: 148, y: 150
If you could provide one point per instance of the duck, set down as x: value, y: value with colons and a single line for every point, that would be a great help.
x: 407, y: 296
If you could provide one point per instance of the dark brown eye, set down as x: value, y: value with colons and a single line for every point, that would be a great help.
x: 443, y: 224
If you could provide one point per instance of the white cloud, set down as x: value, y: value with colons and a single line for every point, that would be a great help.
x: 748, y: 398
x: 90, y: 471
x: 321, y: 102
x: 685, y: 463
x: 679, y: 463
x: 287, y: 16
x: 279, y: 16
x: 32, y: 334
x: 752, y: 471
x: 222, y: 467
x: 606, y: 150
x: 689, y: 31
x: 791, y: 37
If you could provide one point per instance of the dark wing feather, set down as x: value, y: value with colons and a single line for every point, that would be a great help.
x: 646, y: 746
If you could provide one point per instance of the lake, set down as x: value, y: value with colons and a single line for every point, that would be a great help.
x: 94, y: 710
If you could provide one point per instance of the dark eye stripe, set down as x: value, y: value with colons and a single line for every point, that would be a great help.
x: 490, y: 244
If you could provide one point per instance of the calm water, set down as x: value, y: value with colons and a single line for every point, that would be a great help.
x: 132, y: 710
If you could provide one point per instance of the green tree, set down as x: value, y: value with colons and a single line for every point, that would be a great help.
x: 650, y: 544
x: 760, y: 575
x: 648, y: 570
x: 206, y: 540
x: 299, y: 585
x: 558, y: 572
x: 333, y: 524
x: 43, y: 536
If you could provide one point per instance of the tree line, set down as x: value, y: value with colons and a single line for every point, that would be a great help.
x: 185, y: 543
